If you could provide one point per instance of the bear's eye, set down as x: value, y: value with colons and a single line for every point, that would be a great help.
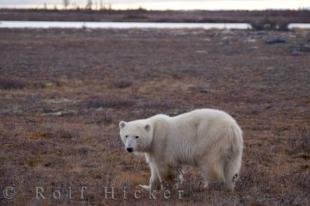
x: 137, y: 137
x: 126, y: 136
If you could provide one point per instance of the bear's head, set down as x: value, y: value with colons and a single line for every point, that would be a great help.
x: 136, y: 135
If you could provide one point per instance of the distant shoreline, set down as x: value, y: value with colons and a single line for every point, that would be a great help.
x: 269, y: 19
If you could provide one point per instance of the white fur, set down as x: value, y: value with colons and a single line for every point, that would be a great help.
x: 206, y: 138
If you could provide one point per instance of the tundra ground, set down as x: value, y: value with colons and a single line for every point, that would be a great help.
x: 63, y: 92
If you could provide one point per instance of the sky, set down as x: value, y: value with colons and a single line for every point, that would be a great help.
x: 167, y: 4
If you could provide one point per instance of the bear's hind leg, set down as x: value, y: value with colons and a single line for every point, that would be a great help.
x: 232, y: 169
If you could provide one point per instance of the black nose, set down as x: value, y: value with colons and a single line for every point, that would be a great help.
x: 129, y: 149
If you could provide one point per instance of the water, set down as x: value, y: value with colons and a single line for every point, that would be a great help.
x: 132, y: 25
x: 119, y: 25
x: 299, y: 26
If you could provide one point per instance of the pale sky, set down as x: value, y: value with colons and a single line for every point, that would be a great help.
x: 168, y: 4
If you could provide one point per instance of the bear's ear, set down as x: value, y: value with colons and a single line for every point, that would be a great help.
x: 147, y: 127
x: 122, y: 124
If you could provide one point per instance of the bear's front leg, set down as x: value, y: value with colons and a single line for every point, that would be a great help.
x: 154, y: 183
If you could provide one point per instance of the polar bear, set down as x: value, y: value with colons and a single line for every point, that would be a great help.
x: 205, y: 138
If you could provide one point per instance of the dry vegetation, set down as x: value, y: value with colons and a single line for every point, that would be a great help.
x: 62, y: 93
